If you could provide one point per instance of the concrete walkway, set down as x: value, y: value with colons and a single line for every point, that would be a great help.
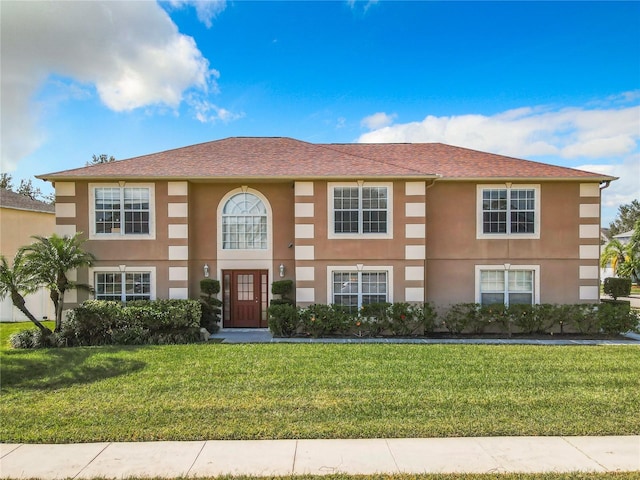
x: 262, y: 335
x: 320, y: 457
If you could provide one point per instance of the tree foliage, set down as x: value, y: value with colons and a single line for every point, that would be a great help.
x: 49, y: 260
x: 99, y: 159
x: 628, y: 215
x: 630, y: 268
x: 6, y: 181
x: 614, y: 253
x: 26, y: 188
x: 624, y: 259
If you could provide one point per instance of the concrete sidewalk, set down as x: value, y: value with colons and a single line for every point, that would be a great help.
x: 263, y: 335
x: 320, y: 457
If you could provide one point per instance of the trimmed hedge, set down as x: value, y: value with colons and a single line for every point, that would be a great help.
x: 403, y: 319
x: 617, y: 287
x: 98, y: 322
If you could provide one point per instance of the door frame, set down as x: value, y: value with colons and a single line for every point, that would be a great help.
x: 230, y: 297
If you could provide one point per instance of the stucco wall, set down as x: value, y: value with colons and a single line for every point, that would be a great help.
x: 16, y: 229
x: 453, y: 249
x: 446, y: 252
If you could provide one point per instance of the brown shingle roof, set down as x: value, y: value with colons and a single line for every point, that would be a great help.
x: 9, y: 199
x: 260, y: 157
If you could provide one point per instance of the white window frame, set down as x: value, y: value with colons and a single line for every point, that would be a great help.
x: 238, y: 258
x: 121, y: 235
x: 123, y: 270
x: 360, y: 185
x: 508, y: 187
x: 506, y: 268
x: 388, y: 269
x: 244, y: 234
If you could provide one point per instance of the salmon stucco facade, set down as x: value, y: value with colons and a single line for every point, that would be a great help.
x: 350, y: 224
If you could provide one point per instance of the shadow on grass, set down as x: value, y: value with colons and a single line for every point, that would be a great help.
x: 62, y: 367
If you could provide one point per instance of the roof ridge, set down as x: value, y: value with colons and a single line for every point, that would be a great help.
x: 385, y: 162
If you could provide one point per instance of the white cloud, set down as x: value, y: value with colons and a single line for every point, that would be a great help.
x: 207, y: 112
x: 206, y: 10
x: 525, y: 132
x: 366, y: 4
x: 378, y: 120
x: 131, y: 52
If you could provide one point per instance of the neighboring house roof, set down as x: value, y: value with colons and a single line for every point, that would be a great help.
x: 624, y: 237
x: 281, y: 157
x: 17, y: 201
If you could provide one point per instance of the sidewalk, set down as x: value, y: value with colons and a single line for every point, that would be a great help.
x: 263, y: 335
x: 321, y: 457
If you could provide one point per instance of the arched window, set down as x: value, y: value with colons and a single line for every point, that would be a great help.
x: 244, y: 223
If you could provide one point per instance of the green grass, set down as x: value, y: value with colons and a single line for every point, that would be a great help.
x: 268, y: 391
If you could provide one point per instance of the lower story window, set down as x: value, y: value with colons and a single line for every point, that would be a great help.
x: 507, y: 287
x: 354, y: 289
x: 123, y: 286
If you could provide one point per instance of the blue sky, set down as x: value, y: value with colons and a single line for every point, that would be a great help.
x: 557, y: 82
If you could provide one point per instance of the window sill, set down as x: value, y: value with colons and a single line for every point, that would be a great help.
x: 508, y: 236
x: 121, y: 236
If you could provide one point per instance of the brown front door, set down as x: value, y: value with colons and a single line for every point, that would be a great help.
x: 245, y: 298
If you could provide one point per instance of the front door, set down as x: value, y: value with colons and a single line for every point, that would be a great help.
x: 245, y: 298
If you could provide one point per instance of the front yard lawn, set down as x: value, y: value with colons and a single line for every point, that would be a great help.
x: 268, y: 391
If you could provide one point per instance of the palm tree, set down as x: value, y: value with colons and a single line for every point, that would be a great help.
x: 17, y: 282
x: 50, y: 258
x: 614, y: 252
x: 631, y: 266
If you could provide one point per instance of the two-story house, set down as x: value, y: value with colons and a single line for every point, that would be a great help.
x: 350, y: 223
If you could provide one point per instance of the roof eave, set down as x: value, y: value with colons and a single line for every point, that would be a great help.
x: 275, y: 178
x: 603, y: 178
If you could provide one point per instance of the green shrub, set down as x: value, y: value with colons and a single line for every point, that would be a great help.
x: 583, y: 318
x: 617, y: 287
x: 282, y: 287
x: 210, y: 305
x: 281, y: 301
x: 460, y: 316
x: 284, y: 320
x: 374, y: 319
x: 98, y: 322
x: 92, y: 323
x: 526, y: 318
x: 547, y: 316
x: 400, y: 319
x: 31, y: 338
x: 426, y: 316
x: 615, y: 317
x: 321, y: 320
x: 209, y: 286
x: 499, y: 315
x: 34, y: 338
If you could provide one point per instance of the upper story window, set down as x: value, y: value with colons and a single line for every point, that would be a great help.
x: 360, y: 210
x: 121, y: 211
x: 244, y: 223
x: 512, y: 211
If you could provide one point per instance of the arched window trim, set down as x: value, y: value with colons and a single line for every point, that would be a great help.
x: 263, y: 227
x: 244, y: 223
